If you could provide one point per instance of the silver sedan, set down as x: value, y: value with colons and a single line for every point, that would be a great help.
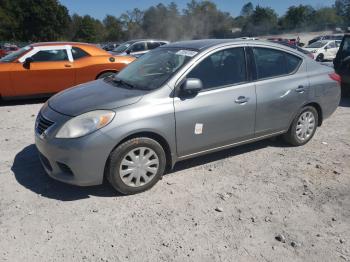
x: 179, y: 101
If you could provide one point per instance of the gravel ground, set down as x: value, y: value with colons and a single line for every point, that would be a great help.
x: 227, y: 206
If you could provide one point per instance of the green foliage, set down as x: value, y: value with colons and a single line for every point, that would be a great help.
x: 33, y: 20
x: 48, y: 20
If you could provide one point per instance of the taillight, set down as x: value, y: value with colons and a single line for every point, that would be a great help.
x: 335, y: 77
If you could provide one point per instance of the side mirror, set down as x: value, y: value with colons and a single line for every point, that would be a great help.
x: 128, y: 51
x: 326, y: 48
x: 191, y: 86
x: 27, y: 62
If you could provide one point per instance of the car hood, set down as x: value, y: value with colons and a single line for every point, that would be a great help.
x: 95, y: 95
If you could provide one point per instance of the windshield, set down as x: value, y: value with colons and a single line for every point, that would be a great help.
x: 15, y: 55
x: 122, y: 48
x: 317, y: 45
x: 153, y: 69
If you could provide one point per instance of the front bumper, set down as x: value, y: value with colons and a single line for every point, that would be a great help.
x: 79, y: 161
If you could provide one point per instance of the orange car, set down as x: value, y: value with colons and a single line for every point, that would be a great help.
x: 47, y: 68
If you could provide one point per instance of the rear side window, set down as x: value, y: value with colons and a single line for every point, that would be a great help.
x: 273, y: 63
x: 226, y: 67
x: 153, y: 45
x: 78, y: 53
x: 50, y: 55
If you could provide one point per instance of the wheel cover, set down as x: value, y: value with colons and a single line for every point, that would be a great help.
x: 139, y: 166
x: 305, y: 126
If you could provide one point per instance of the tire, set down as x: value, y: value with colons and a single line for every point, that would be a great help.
x: 104, y: 75
x: 132, y: 182
x: 320, y: 58
x: 295, y: 132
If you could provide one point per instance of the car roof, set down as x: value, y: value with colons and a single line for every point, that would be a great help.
x: 201, y: 45
x: 90, y: 48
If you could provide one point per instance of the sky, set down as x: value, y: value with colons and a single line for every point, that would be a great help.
x: 99, y: 9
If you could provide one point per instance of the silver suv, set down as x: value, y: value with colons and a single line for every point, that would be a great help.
x: 139, y: 47
x: 179, y: 101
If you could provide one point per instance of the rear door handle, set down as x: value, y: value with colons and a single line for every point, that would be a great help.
x: 242, y: 100
x: 300, y: 89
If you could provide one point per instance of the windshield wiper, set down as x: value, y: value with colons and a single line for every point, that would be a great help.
x: 122, y: 82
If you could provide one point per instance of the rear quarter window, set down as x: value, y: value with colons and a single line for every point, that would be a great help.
x: 78, y: 53
x: 273, y: 63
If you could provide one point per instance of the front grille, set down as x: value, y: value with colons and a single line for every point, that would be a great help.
x: 42, y: 124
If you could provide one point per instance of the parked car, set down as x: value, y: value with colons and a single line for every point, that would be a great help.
x: 7, y: 49
x: 326, y: 37
x: 324, y: 49
x: 179, y: 101
x: 46, y: 68
x: 139, y: 47
x: 342, y: 64
x: 110, y: 46
x: 294, y: 46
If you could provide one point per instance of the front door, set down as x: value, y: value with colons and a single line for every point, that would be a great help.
x: 282, y: 87
x: 223, y: 112
x: 51, y: 71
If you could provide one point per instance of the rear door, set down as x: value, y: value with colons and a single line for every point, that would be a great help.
x: 51, y: 71
x: 224, y: 111
x: 282, y: 88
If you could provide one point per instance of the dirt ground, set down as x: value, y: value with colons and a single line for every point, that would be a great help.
x: 264, y: 190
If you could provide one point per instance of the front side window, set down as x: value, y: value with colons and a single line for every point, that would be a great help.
x: 226, y: 67
x: 78, y: 53
x: 51, y: 55
x: 272, y: 63
x: 331, y: 45
x: 138, y: 47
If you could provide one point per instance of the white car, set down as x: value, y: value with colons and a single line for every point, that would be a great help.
x: 324, y: 49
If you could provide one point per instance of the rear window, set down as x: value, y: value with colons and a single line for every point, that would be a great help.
x: 78, y: 53
x: 273, y: 63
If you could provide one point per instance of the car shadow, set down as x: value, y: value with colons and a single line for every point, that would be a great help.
x: 21, y: 102
x: 345, y: 102
x: 227, y: 153
x: 30, y: 174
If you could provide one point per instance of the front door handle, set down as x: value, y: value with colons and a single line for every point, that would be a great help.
x: 67, y: 65
x: 242, y: 100
x: 300, y: 89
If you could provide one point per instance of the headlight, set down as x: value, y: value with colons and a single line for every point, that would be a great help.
x: 85, y: 124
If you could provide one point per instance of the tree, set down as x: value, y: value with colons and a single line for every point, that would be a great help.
x: 113, y: 28
x: 162, y: 22
x: 297, y: 17
x: 262, y: 21
x: 132, y: 23
x: 247, y: 9
x: 89, y: 30
x: 326, y: 18
x: 204, y: 20
x: 342, y: 8
x: 33, y: 20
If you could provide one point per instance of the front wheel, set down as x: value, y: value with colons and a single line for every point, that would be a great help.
x: 136, y: 165
x: 303, y: 127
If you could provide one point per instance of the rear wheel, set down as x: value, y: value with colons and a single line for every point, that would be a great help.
x: 303, y: 127
x: 136, y: 165
x: 320, y: 58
